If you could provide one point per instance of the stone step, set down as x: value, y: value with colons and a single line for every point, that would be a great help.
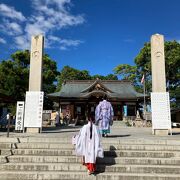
x: 43, y: 159
x: 9, y: 140
x: 106, y: 146
x: 9, y: 175
x: 77, y: 167
x: 110, y: 153
x: 145, y: 147
x: 3, y: 159
x: 5, y: 152
x: 105, y: 160
x: 5, y: 145
x: 139, y: 161
x: 44, y: 146
x: 46, y: 140
x: 109, y: 140
x: 44, y: 175
x: 150, y: 141
x: 44, y: 152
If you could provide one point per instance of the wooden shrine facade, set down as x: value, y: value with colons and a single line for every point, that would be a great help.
x: 79, y: 97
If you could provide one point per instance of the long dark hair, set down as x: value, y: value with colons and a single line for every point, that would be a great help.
x: 91, y: 119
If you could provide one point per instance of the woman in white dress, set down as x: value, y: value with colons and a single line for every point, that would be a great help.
x: 88, y: 145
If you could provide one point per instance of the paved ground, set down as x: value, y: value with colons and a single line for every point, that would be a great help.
x: 117, y: 131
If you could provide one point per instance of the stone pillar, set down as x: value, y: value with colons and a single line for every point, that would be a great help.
x: 158, y: 70
x: 35, y: 75
x: 158, y: 63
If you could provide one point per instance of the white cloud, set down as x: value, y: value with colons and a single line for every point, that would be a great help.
x: 48, y: 17
x: 33, y: 29
x: 70, y: 42
x: 64, y: 19
x: 56, y: 14
x: 53, y: 38
x: 11, y: 28
x: 15, y: 27
x: 64, y: 44
x: 22, y: 42
x: 10, y: 12
x: 63, y: 48
x: 3, y: 41
x: 59, y: 4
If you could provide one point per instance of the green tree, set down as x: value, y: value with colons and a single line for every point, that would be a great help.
x: 143, y: 66
x: 69, y: 73
x: 111, y: 77
x: 108, y: 77
x: 126, y: 72
x: 83, y: 75
x: 97, y: 76
x: 14, y: 76
x: 50, y: 74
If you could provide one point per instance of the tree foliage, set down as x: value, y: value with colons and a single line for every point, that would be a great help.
x: 14, y: 76
x: 69, y: 73
x: 143, y: 66
x: 126, y: 72
x: 108, y: 77
x: 50, y: 74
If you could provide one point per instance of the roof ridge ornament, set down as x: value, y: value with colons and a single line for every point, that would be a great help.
x: 97, y: 85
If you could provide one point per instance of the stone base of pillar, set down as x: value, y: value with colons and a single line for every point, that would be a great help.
x: 160, y: 132
x: 33, y: 130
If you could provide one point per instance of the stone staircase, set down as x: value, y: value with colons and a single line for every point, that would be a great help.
x: 125, y: 159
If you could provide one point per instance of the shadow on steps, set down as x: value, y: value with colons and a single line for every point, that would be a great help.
x: 101, y: 164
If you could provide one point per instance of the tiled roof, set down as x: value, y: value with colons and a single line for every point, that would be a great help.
x: 79, y: 88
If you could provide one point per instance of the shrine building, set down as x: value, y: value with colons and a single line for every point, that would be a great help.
x: 77, y: 98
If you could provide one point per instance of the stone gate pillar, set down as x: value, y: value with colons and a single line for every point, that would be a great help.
x: 159, y: 97
x: 35, y: 75
x: 158, y: 63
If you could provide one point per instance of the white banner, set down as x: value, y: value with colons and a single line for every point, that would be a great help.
x: 19, y: 116
x: 160, y: 104
x: 33, y: 109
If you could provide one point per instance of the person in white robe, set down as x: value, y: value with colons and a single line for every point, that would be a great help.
x: 104, y: 116
x: 88, y: 146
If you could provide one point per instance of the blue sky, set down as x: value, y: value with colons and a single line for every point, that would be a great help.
x: 93, y: 35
